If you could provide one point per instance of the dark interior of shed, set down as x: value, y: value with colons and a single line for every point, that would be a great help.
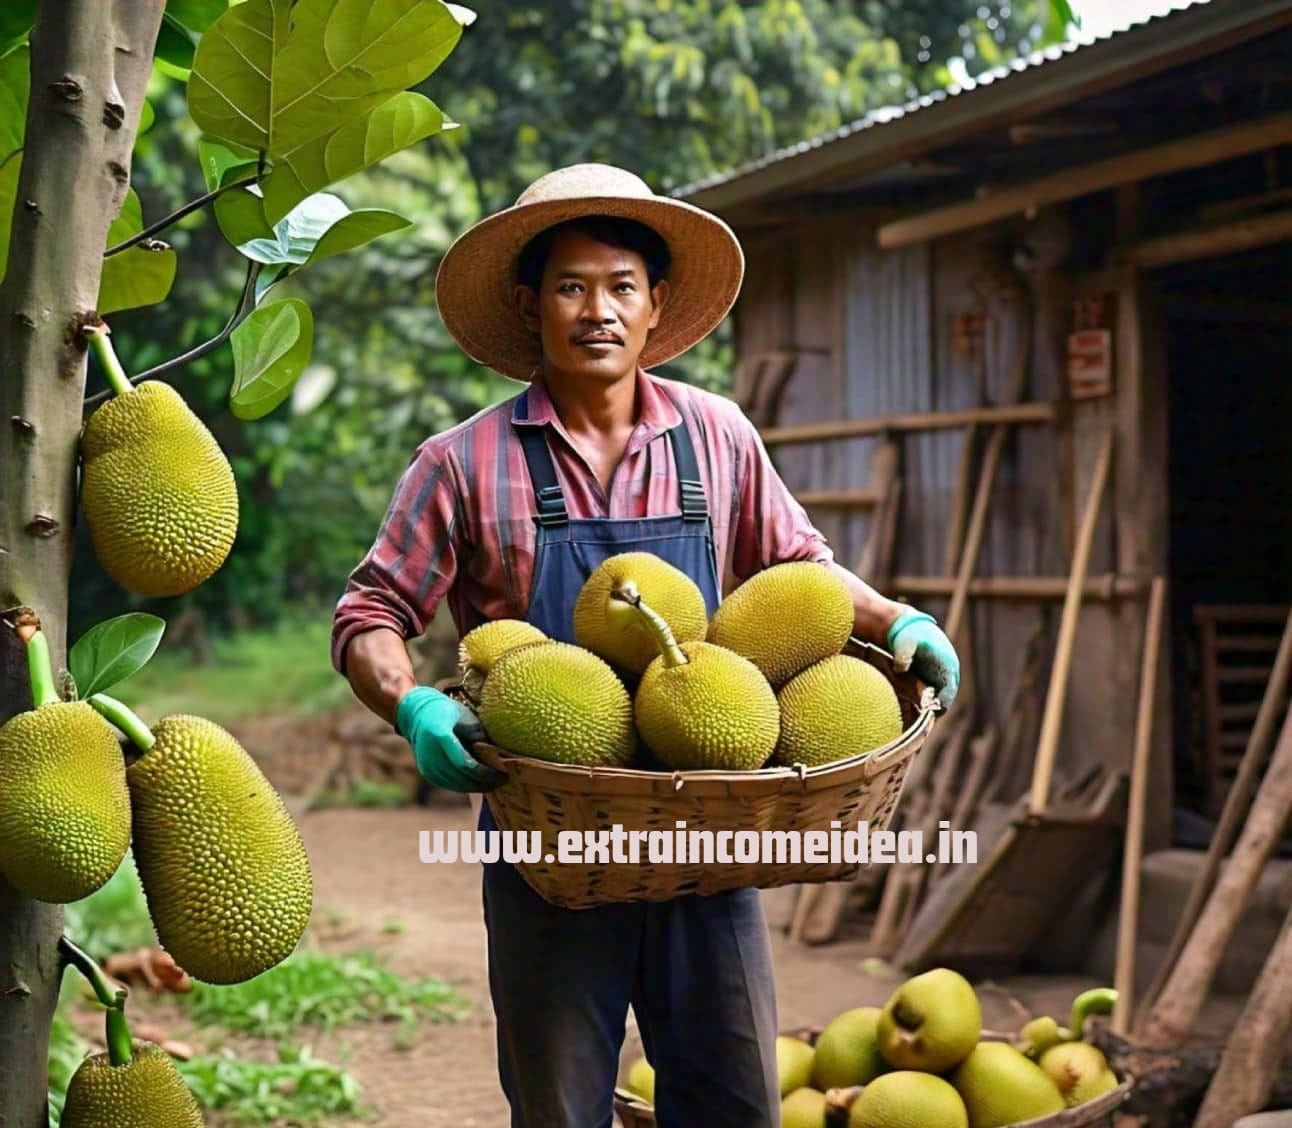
x: 1228, y: 337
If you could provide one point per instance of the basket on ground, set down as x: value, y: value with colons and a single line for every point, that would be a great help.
x: 766, y: 812
x: 635, y: 1112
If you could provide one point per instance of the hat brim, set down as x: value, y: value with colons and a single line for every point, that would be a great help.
x: 477, y: 276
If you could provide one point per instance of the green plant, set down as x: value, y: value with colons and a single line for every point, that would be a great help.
x: 295, y: 1087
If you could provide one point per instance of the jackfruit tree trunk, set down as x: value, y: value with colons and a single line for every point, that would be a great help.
x: 90, y: 61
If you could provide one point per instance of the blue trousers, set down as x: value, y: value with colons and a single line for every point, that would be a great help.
x: 697, y: 972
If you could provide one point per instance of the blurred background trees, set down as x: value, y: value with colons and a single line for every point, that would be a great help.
x: 674, y: 89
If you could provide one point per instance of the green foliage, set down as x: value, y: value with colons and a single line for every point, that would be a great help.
x: 270, y: 351
x: 322, y: 991
x: 295, y: 1089
x: 114, y: 918
x: 364, y: 793
x: 67, y: 1049
x: 282, y: 669
x: 113, y: 650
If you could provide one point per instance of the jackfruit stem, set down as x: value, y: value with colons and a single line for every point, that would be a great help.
x: 662, y: 633
x: 106, y: 355
x: 44, y: 690
x: 121, y: 716
x: 120, y: 1045
x: 107, y: 993
x: 1097, y: 1000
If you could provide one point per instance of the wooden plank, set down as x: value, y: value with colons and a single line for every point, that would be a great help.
x: 1209, y: 242
x: 1183, y: 153
x: 1128, y: 917
x: 1056, y: 699
x: 840, y: 499
x: 1106, y: 587
x: 1030, y: 413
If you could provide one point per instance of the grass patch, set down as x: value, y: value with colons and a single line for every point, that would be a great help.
x: 316, y: 989
x: 286, y: 668
x: 296, y: 1088
x: 364, y: 793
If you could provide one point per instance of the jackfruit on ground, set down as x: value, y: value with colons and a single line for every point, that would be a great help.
x: 612, y: 628
x: 159, y: 497
x: 145, y: 1092
x: 836, y: 708
x: 715, y: 711
x: 784, y: 618
x: 556, y: 701
x: 221, y: 862
x: 64, y: 804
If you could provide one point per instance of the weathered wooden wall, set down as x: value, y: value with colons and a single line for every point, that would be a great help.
x: 877, y: 333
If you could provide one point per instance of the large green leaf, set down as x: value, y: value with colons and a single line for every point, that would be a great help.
x: 403, y: 120
x: 109, y: 652
x: 359, y: 227
x: 16, y: 19
x: 270, y: 351
x: 241, y: 217
x: 10, y: 170
x: 139, y: 276
x: 175, y: 44
x: 273, y: 75
x: 222, y: 163
x: 196, y: 15
x: 15, y: 82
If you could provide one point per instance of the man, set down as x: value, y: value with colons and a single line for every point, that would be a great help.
x: 577, y: 290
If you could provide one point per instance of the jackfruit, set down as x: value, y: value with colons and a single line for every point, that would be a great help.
x: 793, y: 1063
x: 700, y: 706
x: 836, y: 708
x: 221, y: 862
x: 482, y: 646
x: 846, y: 1050
x: 930, y: 1022
x: 145, y: 1092
x: 158, y: 494
x: 641, y: 1080
x: 1080, y: 1071
x: 908, y: 1099
x: 64, y: 804
x: 1000, y: 1086
x: 803, y: 1108
x: 610, y: 628
x: 784, y: 618
x: 558, y: 702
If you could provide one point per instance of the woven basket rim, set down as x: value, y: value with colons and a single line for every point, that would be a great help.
x: 497, y: 757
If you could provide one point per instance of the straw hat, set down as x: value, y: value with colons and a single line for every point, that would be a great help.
x: 478, y: 273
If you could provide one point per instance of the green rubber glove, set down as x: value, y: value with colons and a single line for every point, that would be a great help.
x: 438, y: 729
x: 918, y: 644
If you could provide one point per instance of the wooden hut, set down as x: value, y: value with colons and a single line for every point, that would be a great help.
x: 1020, y: 348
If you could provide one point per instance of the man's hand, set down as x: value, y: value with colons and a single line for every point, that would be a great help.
x: 438, y: 728
x: 918, y: 644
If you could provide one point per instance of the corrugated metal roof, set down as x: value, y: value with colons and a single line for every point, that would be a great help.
x: 1082, y: 45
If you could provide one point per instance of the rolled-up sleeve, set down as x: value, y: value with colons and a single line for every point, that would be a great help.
x: 413, y: 561
x: 770, y: 526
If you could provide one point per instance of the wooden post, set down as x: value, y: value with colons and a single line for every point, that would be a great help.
x: 1257, y: 1045
x: 1128, y: 918
x: 1052, y: 720
x: 1231, y: 817
x: 1186, y: 989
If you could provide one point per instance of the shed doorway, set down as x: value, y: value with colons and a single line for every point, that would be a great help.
x: 1228, y: 326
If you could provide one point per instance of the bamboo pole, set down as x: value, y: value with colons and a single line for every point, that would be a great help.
x: 1210, y: 242
x: 1038, y: 588
x: 1236, y: 802
x: 1056, y: 699
x: 1128, y: 918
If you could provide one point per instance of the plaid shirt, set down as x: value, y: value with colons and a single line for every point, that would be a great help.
x: 460, y: 525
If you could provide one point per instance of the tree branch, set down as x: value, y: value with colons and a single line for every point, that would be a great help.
x: 248, y: 290
x: 175, y: 216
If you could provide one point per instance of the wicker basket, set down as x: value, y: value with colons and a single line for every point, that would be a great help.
x: 634, y: 1112
x: 553, y: 798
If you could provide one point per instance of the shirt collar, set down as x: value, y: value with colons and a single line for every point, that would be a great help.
x: 657, y: 414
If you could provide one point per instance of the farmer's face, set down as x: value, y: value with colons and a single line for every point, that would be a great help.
x: 594, y: 308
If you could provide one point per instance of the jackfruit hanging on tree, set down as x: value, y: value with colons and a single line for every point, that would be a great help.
x: 222, y: 864
x: 64, y: 802
x: 132, y: 1084
x: 158, y: 494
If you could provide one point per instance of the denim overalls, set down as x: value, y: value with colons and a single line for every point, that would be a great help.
x: 696, y: 970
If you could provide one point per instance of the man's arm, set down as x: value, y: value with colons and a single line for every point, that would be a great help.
x: 875, y: 613
x: 379, y: 670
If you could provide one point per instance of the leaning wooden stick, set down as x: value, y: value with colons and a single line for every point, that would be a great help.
x: 1231, y: 816
x: 1257, y: 1045
x: 1057, y: 697
x: 1186, y: 989
x: 1128, y: 918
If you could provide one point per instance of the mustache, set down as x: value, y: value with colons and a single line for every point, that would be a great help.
x: 584, y: 334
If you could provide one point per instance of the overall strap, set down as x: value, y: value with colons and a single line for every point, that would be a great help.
x: 695, y: 506
x: 542, y: 473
